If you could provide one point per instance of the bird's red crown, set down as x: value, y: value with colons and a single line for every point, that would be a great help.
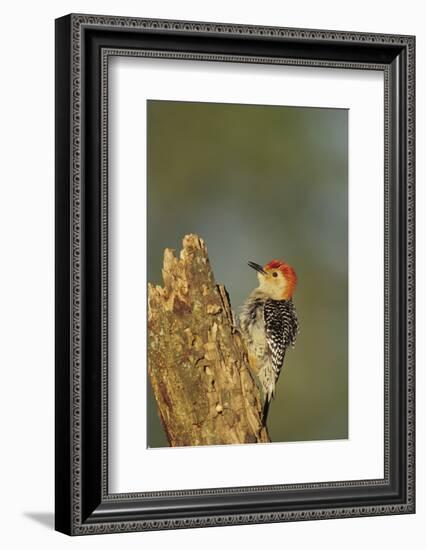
x: 287, y: 271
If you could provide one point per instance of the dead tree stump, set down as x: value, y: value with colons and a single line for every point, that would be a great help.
x: 197, y: 361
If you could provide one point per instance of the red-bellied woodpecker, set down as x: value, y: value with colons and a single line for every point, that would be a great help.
x: 269, y: 324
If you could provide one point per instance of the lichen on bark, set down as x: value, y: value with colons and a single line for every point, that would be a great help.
x: 197, y: 361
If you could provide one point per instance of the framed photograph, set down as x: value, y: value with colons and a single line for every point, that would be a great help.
x: 234, y: 274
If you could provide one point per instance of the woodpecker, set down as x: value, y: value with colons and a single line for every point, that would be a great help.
x: 269, y: 325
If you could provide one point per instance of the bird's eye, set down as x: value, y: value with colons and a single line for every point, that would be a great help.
x: 274, y: 274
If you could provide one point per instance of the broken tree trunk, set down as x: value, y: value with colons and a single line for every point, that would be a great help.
x: 197, y: 361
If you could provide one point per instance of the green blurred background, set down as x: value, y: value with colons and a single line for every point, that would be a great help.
x: 256, y: 183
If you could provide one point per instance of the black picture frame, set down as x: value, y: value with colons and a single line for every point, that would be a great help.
x: 83, y: 45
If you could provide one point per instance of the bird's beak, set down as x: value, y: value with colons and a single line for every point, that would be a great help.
x: 257, y: 267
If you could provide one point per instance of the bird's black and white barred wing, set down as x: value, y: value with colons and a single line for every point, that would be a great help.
x: 281, y: 327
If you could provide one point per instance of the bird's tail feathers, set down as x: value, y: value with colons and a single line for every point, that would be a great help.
x: 267, y: 381
x: 265, y: 411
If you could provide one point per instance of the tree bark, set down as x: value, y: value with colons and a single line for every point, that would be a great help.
x: 197, y: 361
